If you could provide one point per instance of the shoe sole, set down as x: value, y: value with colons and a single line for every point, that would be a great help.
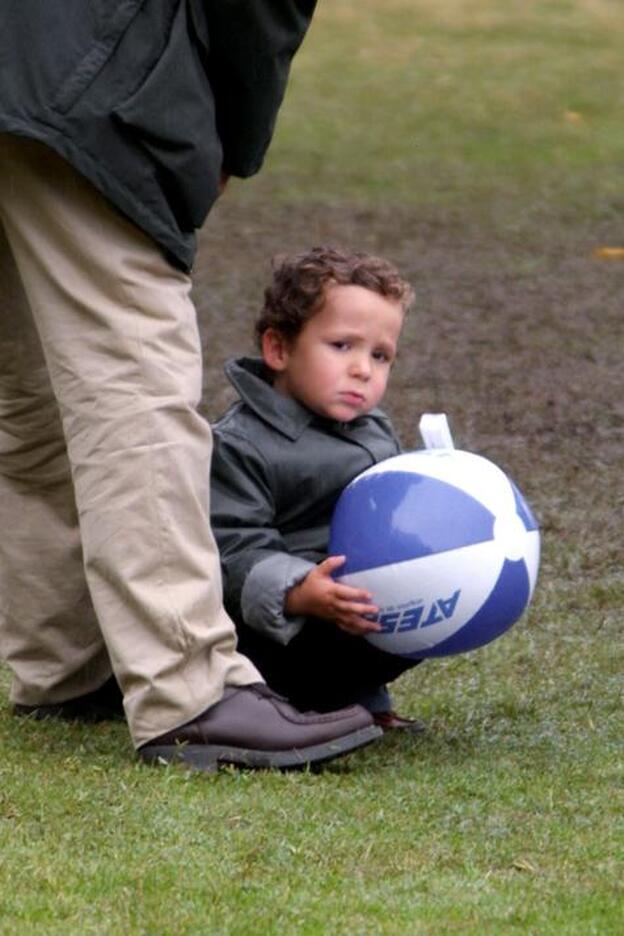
x: 209, y: 757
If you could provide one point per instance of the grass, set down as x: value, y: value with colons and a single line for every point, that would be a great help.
x: 505, y: 816
x: 461, y: 100
x: 435, y: 133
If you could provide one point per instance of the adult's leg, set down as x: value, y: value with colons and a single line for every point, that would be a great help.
x: 49, y: 633
x: 120, y: 340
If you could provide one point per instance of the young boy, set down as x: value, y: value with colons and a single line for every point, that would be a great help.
x: 306, y: 424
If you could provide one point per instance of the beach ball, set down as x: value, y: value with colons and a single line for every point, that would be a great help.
x: 447, y: 546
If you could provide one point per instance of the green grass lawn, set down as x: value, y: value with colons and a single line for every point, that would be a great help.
x: 459, y: 100
x: 479, y: 145
x: 505, y: 816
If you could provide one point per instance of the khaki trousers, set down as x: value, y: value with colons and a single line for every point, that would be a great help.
x: 106, y: 556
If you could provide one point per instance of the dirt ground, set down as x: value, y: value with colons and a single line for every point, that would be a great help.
x: 517, y: 334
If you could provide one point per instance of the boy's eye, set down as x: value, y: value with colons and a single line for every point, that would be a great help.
x: 382, y: 356
x: 340, y: 345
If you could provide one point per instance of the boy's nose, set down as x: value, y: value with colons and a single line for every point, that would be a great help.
x: 361, y: 366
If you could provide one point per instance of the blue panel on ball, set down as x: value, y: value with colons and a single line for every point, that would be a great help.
x: 504, y: 605
x: 393, y: 516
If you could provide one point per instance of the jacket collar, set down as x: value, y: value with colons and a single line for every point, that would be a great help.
x: 250, y: 379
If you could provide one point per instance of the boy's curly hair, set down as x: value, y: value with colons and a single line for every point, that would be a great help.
x: 297, y: 289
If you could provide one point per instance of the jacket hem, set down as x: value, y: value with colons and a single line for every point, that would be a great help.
x: 180, y: 253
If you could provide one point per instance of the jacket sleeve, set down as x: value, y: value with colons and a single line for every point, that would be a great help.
x: 248, y: 47
x: 257, y: 567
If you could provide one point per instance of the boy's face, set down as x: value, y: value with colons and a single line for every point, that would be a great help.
x: 339, y: 363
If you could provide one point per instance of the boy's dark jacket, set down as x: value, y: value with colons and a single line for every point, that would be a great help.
x: 150, y: 99
x: 277, y: 473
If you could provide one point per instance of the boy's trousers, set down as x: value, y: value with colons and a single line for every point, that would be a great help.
x: 106, y: 555
x: 322, y: 667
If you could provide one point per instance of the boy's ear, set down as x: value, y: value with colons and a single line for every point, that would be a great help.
x: 275, y: 349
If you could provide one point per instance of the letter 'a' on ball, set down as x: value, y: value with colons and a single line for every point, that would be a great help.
x: 445, y: 543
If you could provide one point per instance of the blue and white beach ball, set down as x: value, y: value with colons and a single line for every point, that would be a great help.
x: 445, y: 543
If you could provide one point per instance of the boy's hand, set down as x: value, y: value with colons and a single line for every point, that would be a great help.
x: 319, y: 595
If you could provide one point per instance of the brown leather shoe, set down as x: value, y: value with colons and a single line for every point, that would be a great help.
x: 254, y: 727
x: 390, y: 721
x: 103, y: 704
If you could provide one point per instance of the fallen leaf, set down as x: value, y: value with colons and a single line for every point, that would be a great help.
x: 573, y: 117
x: 523, y: 864
x: 609, y: 253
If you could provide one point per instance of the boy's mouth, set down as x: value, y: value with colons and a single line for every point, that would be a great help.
x: 352, y: 397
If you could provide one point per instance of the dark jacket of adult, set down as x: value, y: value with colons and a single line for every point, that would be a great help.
x: 277, y: 472
x: 150, y: 99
